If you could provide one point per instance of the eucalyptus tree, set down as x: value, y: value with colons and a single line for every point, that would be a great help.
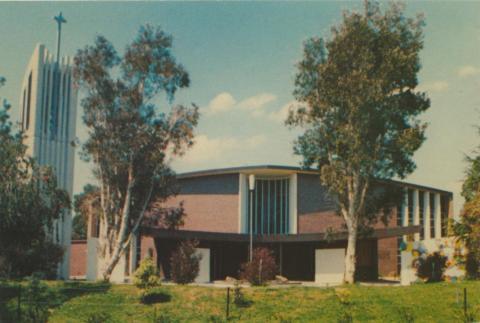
x: 131, y: 138
x: 30, y: 202
x: 359, y: 107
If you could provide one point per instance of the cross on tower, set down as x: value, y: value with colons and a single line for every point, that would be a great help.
x: 60, y: 20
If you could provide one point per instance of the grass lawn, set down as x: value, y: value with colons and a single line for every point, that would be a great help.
x: 442, y: 302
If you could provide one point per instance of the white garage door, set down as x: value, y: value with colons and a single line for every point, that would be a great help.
x: 329, y: 266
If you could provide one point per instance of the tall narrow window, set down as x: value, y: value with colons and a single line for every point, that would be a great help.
x: 47, y: 105
x: 410, y: 207
x: 421, y: 205
x: 29, y: 99
x: 432, y: 215
x: 270, y: 206
x: 444, y: 206
x: 24, y: 105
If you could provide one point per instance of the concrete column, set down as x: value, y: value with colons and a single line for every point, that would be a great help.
x: 242, y: 203
x: 426, y: 215
x: 293, y: 204
x: 438, y: 217
x: 405, y: 211
x: 416, y: 213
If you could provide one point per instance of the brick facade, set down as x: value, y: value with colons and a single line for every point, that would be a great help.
x: 211, y: 203
x: 78, y: 258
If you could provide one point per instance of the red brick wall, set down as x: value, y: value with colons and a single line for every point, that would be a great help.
x: 213, y: 212
x: 78, y: 258
x: 319, y: 222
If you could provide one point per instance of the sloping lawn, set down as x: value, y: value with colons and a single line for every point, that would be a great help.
x: 442, y: 302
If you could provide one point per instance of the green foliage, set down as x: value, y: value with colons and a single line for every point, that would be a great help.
x: 30, y: 202
x: 261, y: 269
x: 146, y: 276
x: 467, y: 228
x: 131, y: 139
x: 155, y: 295
x: 37, y: 298
x: 358, y: 104
x: 185, y: 262
x: 98, y: 318
x: 432, y: 267
x: 239, y: 298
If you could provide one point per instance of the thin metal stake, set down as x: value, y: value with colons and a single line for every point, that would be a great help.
x: 19, y: 310
x: 465, y: 302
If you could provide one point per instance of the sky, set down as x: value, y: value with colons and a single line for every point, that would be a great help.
x: 241, y: 59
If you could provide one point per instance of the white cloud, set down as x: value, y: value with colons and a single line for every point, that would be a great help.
x: 257, y: 101
x: 225, y: 102
x: 221, y: 103
x: 468, y: 70
x: 282, y: 114
x: 211, y: 150
x: 437, y: 86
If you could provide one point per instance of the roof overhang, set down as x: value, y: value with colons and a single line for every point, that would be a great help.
x: 306, y: 237
x: 276, y: 170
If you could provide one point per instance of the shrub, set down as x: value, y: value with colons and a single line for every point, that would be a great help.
x: 146, y: 276
x: 37, y: 298
x: 155, y: 295
x: 432, y: 268
x: 239, y: 298
x: 98, y: 318
x: 185, y: 263
x: 262, y: 268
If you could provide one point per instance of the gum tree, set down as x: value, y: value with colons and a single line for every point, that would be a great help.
x: 359, y: 108
x: 131, y: 138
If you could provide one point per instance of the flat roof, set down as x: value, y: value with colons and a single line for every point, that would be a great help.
x: 302, y: 237
x: 279, y: 169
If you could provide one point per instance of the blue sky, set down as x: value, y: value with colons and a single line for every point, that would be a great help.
x: 241, y: 58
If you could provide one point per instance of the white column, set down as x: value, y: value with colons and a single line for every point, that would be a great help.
x: 416, y: 213
x: 242, y: 203
x: 405, y: 211
x: 426, y: 215
x: 438, y: 217
x: 293, y: 204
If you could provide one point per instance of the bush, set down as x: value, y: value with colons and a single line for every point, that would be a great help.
x: 155, y: 295
x: 38, y: 298
x: 239, y: 298
x: 262, y: 268
x: 432, y: 268
x: 98, y: 318
x: 146, y: 276
x: 185, y: 263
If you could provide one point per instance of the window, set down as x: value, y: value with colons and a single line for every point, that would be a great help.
x: 270, y: 204
x: 29, y: 99
x: 444, y: 206
x: 410, y: 207
x: 421, y: 204
x: 432, y: 215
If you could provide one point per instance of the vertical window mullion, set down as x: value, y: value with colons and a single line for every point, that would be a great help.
x: 263, y: 201
x: 268, y: 208
x: 281, y: 206
x: 275, y: 208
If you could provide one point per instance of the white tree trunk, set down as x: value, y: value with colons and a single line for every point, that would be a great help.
x: 350, y: 256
